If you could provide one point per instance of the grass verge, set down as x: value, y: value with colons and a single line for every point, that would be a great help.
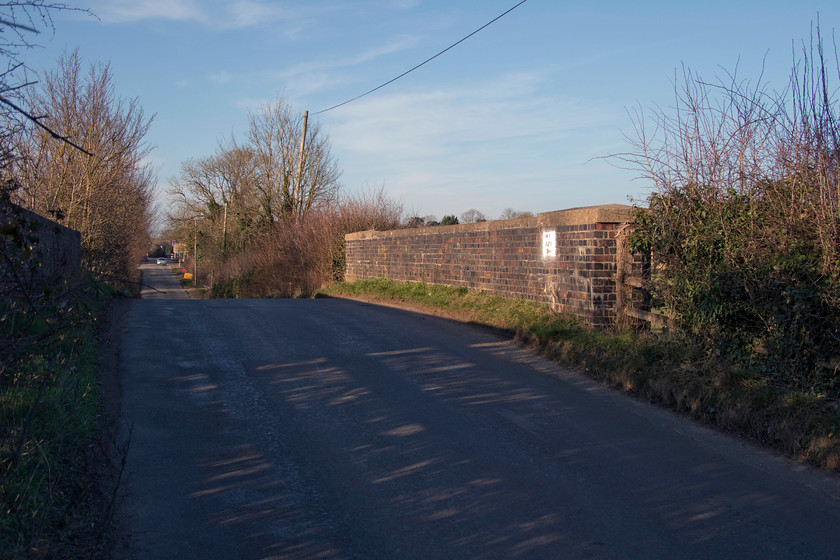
x: 660, y: 368
x: 49, y: 405
x: 189, y: 284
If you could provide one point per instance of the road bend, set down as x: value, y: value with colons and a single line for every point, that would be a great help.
x: 334, y: 429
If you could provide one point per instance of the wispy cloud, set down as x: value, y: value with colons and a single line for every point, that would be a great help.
x: 397, y: 45
x: 421, y: 124
x: 459, y: 144
x: 402, y: 4
x: 318, y: 75
x: 337, y: 63
x: 221, y: 77
x: 121, y: 11
x: 300, y: 80
x: 251, y: 104
x: 236, y: 14
x: 248, y: 13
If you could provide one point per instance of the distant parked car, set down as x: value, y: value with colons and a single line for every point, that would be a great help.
x: 161, y: 260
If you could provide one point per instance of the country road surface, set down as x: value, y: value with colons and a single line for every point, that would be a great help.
x: 333, y: 429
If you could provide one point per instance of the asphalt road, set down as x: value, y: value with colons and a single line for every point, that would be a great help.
x: 328, y: 429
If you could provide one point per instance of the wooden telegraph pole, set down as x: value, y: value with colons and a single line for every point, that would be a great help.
x: 195, y: 253
x: 224, y: 233
x: 297, y: 191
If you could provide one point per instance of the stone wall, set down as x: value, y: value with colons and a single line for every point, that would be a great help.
x: 565, y: 258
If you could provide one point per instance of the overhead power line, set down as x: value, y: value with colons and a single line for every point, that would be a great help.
x: 391, y: 81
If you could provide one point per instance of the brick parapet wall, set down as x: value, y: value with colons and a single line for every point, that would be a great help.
x: 506, y: 258
x: 56, y: 248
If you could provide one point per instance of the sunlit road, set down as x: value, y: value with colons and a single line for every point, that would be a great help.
x: 330, y: 429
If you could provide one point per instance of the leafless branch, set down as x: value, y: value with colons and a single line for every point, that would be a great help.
x: 39, y: 124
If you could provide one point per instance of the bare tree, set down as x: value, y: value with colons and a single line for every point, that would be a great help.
x: 240, y: 193
x: 511, y: 214
x: 472, y: 216
x: 105, y: 191
x: 20, y: 22
x: 274, y: 136
x: 218, y: 198
x: 262, y: 171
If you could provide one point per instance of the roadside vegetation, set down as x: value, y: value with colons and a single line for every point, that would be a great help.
x: 665, y: 369
x: 74, y: 152
x: 58, y: 454
x: 51, y: 500
x: 742, y: 235
x: 267, y: 219
x: 298, y: 255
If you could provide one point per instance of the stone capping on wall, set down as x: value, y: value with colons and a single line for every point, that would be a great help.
x: 507, y: 257
x: 603, y: 214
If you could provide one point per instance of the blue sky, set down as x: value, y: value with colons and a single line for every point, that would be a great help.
x: 518, y: 116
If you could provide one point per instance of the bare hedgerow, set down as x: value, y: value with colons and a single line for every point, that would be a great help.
x: 743, y: 224
x: 300, y: 255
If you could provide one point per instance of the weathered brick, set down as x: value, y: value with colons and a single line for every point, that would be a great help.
x: 505, y: 258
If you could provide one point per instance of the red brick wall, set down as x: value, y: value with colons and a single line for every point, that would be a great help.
x: 506, y: 258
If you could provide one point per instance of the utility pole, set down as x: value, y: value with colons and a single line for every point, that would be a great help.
x: 195, y: 253
x: 297, y: 191
x: 224, y: 232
